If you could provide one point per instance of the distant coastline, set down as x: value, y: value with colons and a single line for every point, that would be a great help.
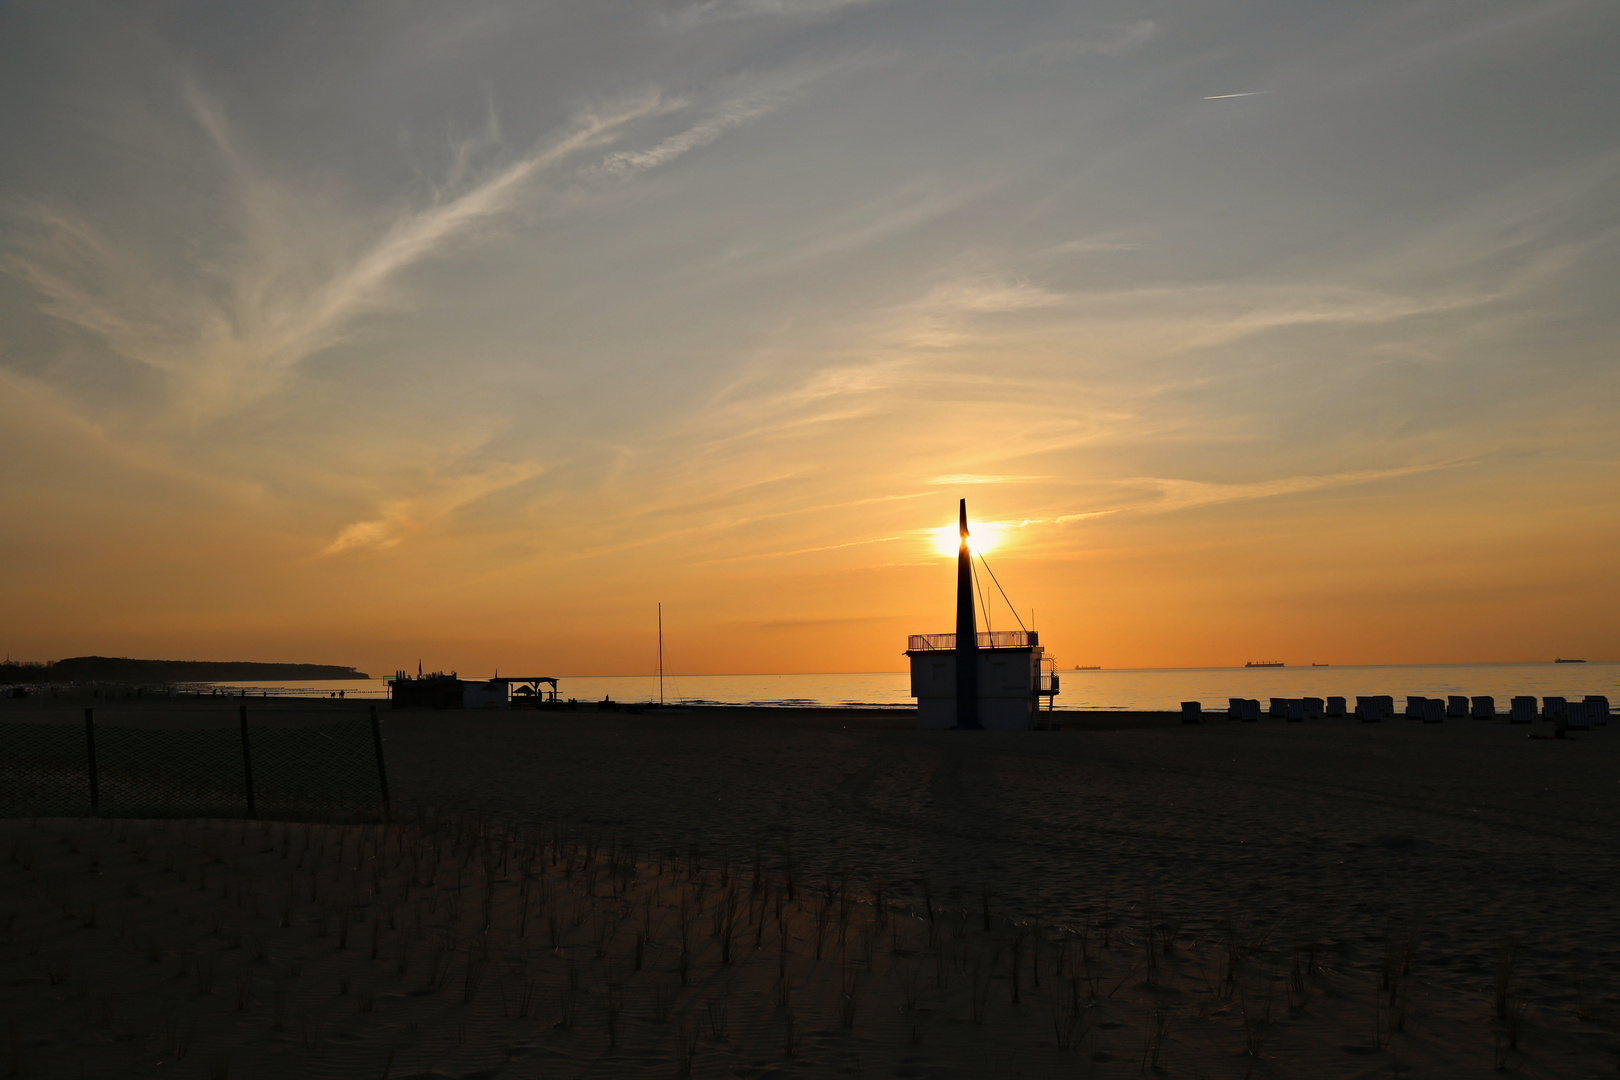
x: 120, y: 669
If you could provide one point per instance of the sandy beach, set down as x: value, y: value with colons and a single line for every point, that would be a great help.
x: 1320, y: 899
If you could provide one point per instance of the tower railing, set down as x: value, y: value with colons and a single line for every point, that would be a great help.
x: 987, y: 639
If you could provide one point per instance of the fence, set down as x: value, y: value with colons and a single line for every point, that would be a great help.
x: 321, y: 771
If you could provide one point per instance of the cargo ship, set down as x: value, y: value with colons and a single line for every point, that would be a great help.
x: 1265, y: 663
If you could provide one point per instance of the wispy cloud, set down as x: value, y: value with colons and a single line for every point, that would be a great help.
x: 1169, y: 494
x: 402, y: 518
x: 228, y: 331
x: 710, y: 11
x: 956, y: 479
x: 1116, y: 39
x: 624, y: 164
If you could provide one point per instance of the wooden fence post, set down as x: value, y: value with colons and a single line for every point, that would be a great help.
x: 382, y: 769
x: 247, y: 760
x: 90, y: 755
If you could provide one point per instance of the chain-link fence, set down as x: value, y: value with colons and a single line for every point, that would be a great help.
x: 317, y: 772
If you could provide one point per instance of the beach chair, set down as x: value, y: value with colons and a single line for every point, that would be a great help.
x: 1522, y: 710
x: 1575, y: 717
x: 1251, y: 710
x: 1369, y: 710
x: 1434, y: 711
x: 1190, y: 711
x: 1335, y: 706
x: 1414, y: 707
x: 1456, y: 705
x: 1597, y: 709
x: 1296, y: 711
x: 1552, y: 708
x: 1313, y: 708
x: 1279, y: 707
x: 1234, y: 708
x: 1483, y: 708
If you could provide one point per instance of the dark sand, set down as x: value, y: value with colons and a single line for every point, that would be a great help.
x: 1355, y: 837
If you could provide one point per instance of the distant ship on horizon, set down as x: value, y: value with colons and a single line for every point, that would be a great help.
x: 1088, y: 667
x: 1561, y: 660
x: 1265, y: 663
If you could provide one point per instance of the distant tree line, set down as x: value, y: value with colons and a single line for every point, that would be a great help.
x: 119, y: 669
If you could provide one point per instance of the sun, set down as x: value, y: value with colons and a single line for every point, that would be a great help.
x: 982, y: 537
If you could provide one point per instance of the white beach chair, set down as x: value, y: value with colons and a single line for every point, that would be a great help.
x: 1552, y: 708
x: 1456, y: 705
x: 1434, y: 711
x: 1484, y: 708
x: 1597, y: 709
x: 1522, y: 710
x: 1335, y: 706
x: 1190, y: 711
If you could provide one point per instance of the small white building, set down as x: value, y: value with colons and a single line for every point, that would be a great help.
x: 1011, y: 680
x: 485, y: 695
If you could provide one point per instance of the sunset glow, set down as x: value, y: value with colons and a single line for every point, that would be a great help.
x: 982, y: 538
x: 366, y: 333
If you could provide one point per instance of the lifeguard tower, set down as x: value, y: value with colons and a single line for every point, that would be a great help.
x: 978, y: 681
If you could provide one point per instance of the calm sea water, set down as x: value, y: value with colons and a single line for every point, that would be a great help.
x: 1132, y: 688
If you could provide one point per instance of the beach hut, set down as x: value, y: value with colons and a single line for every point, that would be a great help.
x: 1484, y: 708
x: 484, y: 695
x: 1522, y: 710
x: 1248, y: 710
x: 1296, y: 710
x: 1367, y: 710
x: 1313, y: 707
x: 1335, y: 706
x: 1279, y: 707
x: 1191, y: 711
x: 1382, y: 707
x: 1414, y: 706
x: 1552, y: 708
x: 971, y: 680
x: 1234, y: 707
x: 1456, y: 705
x: 1575, y: 716
x: 1434, y: 711
x: 1597, y: 709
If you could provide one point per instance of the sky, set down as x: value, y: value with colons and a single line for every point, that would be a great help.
x: 471, y: 332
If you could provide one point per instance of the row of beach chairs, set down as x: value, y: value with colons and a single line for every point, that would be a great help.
x: 1565, y: 713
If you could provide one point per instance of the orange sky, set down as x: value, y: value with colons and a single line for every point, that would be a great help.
x: 469, y: 337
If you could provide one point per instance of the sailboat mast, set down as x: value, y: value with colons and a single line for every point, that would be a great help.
x: 660, y: 653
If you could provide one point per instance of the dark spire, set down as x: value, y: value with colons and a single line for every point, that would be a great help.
x: 967, y: 636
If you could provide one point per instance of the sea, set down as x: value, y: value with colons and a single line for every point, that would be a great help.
x: 1080, y: 691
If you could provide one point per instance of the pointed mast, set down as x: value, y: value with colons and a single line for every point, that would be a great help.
x: 660, y: 653
x: 967, y: 635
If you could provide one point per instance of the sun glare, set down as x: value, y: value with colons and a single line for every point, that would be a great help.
x: 982, y: 537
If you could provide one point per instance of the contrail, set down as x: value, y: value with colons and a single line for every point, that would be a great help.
x: 1250, y: 93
